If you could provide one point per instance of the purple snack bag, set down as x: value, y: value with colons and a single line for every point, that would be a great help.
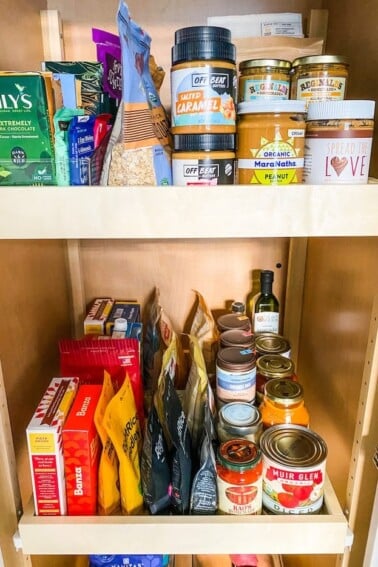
x: 108, y: 47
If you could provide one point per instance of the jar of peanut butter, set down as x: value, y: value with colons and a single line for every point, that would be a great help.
x: 319, y: 77
x: 203, y: 81
x: 264, y: 79
x: 203, y: 159
x: 270, y: 142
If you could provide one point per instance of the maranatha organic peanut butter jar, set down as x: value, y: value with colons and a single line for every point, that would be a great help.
x: 339, y: 138
x: 270, y: 142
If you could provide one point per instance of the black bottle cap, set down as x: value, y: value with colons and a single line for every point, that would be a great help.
x: 203, y: 50
x: 201, y: 33
x: 203, y: 142
x: 266, y: 276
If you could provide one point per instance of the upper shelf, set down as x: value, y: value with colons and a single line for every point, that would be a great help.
x: 188, y: 212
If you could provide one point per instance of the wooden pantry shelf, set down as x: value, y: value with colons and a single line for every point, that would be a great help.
x: 188, y: 212
x: 325, y: 533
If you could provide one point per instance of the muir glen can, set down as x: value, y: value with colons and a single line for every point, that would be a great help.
x: 294, y: 466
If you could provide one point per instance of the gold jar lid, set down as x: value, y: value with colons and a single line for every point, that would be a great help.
x: 320, y: 59
x: 284, y: 391
x: 253, y: 63
x: 275, y: 366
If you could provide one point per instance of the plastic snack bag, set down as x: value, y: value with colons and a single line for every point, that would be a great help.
x: 139, y: 151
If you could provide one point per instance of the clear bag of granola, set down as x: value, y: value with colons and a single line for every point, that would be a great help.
x: 139, y: 149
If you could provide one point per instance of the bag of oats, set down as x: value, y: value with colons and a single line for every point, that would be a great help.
x: 139, y: 150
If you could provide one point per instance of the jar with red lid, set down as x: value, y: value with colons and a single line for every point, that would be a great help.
x: 271, y: 366
x: 283, y: 403
x: 239, y: 477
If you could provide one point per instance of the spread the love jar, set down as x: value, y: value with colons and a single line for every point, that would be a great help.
x: 339, y: 138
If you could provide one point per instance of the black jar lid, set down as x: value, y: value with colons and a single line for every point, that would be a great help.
x: 205, y: 50
x: 203, y: 142
x: 201, y: 33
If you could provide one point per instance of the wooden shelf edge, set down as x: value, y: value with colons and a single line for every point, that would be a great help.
x: 319, y: 534
x: 188, y: 212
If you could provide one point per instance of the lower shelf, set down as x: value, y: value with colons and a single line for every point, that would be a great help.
x: 325, y: 533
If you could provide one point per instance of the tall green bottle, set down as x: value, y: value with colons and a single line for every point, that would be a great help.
x: 266, y: 313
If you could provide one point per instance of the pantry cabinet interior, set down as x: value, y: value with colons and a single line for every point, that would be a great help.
x: 60, y: 248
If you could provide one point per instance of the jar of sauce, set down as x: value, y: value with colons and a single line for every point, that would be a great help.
x: 239, y: 477
x: 264, y: 79
x: 283, y: 403
x: 270, y: 366
x: 270, y: 142
x: 319, y: 77
x: 203, y: 81
x: 271, y: 343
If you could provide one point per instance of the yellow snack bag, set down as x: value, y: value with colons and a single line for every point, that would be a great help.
x: 205, y: 330
x: 109, y: 498
x: 195, y: 394
x: 122, y: 425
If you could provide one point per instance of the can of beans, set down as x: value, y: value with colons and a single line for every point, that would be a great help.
x: 294, y: 466
x: 239, y: 477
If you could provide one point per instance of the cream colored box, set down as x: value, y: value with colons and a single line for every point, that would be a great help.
x: 44, y: 437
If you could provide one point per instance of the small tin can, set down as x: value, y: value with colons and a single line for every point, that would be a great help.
x: 236, y: 375
x: 319, y: 77
x: 271, y: 343
x: 237, y: 338
x: 294, y: 467
x: 233, y: 321
x: 239, y: 420
x: 264, y: 79
x: 239, y: 477
x: 271, y: 366
x: 283, y: 403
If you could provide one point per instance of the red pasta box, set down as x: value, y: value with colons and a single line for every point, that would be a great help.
x: 81, y: 451
x: 44, y: 436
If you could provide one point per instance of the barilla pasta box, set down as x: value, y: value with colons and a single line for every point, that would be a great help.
x: 26, y: 137
x: 123, y: 309
x: 97, y: 316
x: 81, y: 451
x: 45, y: 446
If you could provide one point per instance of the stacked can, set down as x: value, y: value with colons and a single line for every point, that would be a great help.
x: 203, y: 96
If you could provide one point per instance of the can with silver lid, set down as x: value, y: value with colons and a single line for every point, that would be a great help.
x: 235, y: 375
x: 294, y: 468
x: 270, y: 366
x: 339, y: 140
x: 271, y: 343
x: 239, y: 419
x: 283, y: 403
x: 319, y: 77
x: 264, y: 79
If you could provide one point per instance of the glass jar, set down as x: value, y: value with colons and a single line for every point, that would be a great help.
x: 235, y: 375
x: 270, y: 366
x: 271, y: 343
x: 237, y: 338
x: 319, y: 77
x: 283, y: 404
x: 239, y: 477
x: 233, y: 321
x: 264, y: 79
x: 239, y: 420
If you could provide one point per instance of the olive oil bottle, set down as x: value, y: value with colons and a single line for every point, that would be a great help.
x: 266, y: 317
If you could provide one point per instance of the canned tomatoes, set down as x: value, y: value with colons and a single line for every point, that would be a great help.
x: 294, y: 461
x: 239, y: 477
